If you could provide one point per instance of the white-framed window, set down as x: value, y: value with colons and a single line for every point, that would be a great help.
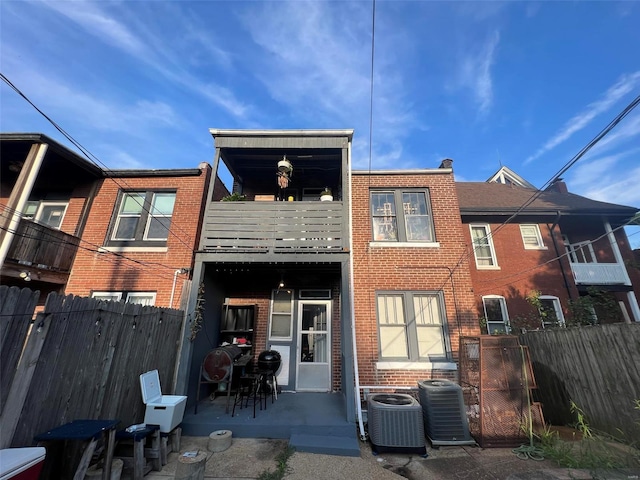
x: 531, y: 237
x: 581, y: 252
x: 142, y: 219
x: 142, y: 298
x: 551, y: 311
x: 483, y: 249
x: 46, y: 213
x: 281, y: 316
x: 495, y: 314
x: 411, y: 326
x: 402, y: 216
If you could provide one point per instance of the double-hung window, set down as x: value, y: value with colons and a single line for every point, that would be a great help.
x: 281, y: 324
x: 402, y: 216
x: 531, y: 237
x: 551, y: 311
x: 411, y: 326
x: 495, y: 314
x: 46, y: 213
x: 483, y: 246
x: 142, y: 219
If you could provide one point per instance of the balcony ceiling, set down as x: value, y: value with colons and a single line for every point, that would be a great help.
x: 319, y: 164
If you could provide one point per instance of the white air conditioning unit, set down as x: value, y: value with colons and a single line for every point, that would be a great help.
x: 444, y: 414
x: 395, y: 424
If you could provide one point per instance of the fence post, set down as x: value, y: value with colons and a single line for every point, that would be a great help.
x: 22, y: 379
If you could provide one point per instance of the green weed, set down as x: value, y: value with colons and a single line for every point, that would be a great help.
x: 281, y: 468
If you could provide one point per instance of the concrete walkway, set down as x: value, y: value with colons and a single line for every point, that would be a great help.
x: 248, y: 458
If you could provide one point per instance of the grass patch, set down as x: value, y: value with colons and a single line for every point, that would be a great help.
x: 281, y: 468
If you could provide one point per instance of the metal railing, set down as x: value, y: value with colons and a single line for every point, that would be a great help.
x: 599, y: 273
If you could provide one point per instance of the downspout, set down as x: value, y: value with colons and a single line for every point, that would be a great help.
x: 15, y: 211
x: 175, y: 279
x: 555, y: 246
x: 354, y: 347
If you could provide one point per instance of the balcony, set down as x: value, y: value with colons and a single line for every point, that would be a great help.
x: 599, y: 274
x: 274, y: 227
x: 43, y: 247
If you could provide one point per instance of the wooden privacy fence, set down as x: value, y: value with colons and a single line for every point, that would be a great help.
x: 82, y: 360
x: 597, y: 367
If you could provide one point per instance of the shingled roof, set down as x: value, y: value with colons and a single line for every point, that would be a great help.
x: 482, y: 198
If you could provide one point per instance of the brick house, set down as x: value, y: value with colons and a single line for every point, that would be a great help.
x: 144, y: 226
x: 533, y: 270
x: 46, y: 191
x: 412, y: 287
x: 71, y: 227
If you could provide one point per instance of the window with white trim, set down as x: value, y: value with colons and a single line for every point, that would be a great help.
x: 281, y: 317
x: 483, y: 249
x: 142, y: 219
x: 46, y: 213
x: 495, y: 314
x: 141, y: 298
x: 531, y: 237
x: 402, y: 216
x: 551, y: 311
x: 411, y: 326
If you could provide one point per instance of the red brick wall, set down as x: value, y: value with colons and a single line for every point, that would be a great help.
x: 140, y: 271
x: 411, y: 268
x: 521, y: 271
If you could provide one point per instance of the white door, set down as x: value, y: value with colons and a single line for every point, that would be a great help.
x: 313, y: 350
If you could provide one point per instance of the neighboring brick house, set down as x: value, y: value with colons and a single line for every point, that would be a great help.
x: 71, y: 227
x: 142, y: 231
x: 412, y: 288
x: 45, y: 194
x: 554, y: 247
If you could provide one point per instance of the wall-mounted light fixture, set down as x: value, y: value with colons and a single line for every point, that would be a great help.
x: 26, y: 276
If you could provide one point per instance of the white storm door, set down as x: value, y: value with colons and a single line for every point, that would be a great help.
x: 313, y: 352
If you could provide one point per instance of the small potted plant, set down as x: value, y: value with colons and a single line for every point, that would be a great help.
x: 326, y: 195
x: 234, y: 197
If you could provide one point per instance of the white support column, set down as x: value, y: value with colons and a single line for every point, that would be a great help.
x: 25, y: 183
x: 633, y: 301
x: 616, y: 251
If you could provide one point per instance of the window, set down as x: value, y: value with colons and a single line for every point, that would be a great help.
x: 531, y: 237
x: 46, y: 213
x: 280, y: 326
x: 495, y: 313
x: 411, y: 326
x: 142, y: 218
x: 401, y: 216
x: 581, y: 252
x: 142, y: 298
x: 551, y: 311
x: 483, y: 246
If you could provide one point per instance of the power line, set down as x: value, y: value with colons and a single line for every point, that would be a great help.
x: 628, y: 109
x: 92, y: 158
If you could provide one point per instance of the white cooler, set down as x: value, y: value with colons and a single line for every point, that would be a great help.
x: 164, y: 410
x: 21, y: 463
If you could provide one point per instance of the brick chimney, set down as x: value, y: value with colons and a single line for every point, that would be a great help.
x: 446, y: 163
x: 558, y: 186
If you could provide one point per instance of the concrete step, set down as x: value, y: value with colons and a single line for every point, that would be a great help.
x: 326, y: 444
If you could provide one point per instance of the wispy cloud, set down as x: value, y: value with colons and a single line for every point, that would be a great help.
x: 475, y: 72
x: 152, y: 48
x: 621, y: 88
x: 318, y: 66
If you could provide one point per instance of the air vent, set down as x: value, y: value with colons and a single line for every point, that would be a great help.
x: 395, y: 424
x: 443, y: 411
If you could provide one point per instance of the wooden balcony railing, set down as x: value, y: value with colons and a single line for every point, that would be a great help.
x: 599, y: 273
x: 43, y: 247
x: 274, y: 227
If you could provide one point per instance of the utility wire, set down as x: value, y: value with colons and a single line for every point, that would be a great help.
x: 91, y: 157
x: 628, y: 109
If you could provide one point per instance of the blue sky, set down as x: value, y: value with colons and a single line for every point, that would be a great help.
x: 522, y: 84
